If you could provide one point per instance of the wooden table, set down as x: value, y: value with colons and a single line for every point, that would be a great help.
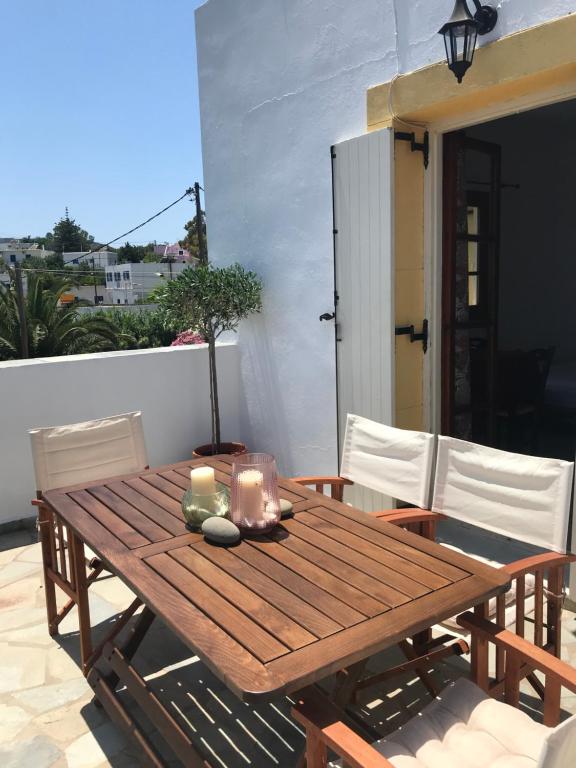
x: 328, y: 588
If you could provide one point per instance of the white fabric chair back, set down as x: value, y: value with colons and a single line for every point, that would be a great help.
x: 396, y: 462
x: 88, y: 450
x: 560, y: 746
x: 524, y: 497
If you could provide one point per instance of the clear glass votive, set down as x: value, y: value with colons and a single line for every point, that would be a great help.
x: 255, y: 506
x: 197, y: 507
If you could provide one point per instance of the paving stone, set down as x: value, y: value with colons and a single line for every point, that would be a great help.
x: 16, y: 571
x: 36, y: 635
x: 21, y: 617
x: 60, y: 666
x: 12, y: 721
x: 66, y: 724
x: 38, y: 752
x: 53, y: 696
x: 96, y: 747
x: 31, y: 554
x: 26, y: 593
x: 20, y: 668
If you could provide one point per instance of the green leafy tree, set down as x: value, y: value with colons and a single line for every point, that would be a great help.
x: 52, y: 329
x: 140, y: 330
x: 190, y: 242
x: 132, y: 254
x: 210, y: 300
x: 68, y: 236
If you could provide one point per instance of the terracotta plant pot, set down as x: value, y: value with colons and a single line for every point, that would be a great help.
x: 232, y: 449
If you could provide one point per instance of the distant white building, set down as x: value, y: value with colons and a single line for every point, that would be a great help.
x: 17, y: 251
x: 126, y: 283
x: 98, y: 259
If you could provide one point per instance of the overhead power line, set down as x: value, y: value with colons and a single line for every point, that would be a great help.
x: 189, y: 192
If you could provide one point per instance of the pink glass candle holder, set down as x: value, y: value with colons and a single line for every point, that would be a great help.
x: 255, y: 506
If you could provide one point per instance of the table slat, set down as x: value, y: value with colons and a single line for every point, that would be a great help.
x: 248, y: 601
x: 223, y: 613
x: 290, y: 595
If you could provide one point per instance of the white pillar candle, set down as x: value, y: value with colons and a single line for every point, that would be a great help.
x: 251, y: 500
x: 202, y: 481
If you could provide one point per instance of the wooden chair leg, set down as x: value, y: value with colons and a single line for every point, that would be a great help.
x: 479, y: 653
x: 81, y: 589
x: 46, y: 533
x: 554, y: 614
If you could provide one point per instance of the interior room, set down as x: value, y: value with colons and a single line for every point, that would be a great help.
x: 519, y: 186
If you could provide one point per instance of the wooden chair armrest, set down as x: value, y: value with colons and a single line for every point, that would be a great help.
x: 321, y: 480
x: 325, y: 727
x: 406, y: 516
x: 524, y: 650
x: 537, y: 563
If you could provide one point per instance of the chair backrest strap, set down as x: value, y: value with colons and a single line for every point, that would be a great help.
x: 396, y: 462
x: 88, y: 450
x: 523, y: 497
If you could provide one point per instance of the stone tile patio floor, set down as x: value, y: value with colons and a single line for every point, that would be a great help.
x: 47, y: 717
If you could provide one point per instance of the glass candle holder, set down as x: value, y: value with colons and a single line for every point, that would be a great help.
x: 197, y: 507
x: 255, y: 506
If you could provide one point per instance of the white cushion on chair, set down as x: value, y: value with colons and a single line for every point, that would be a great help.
x: 524, y: 497
x: 88, y: 450
x: 465, y: 728
x: 396, y: 462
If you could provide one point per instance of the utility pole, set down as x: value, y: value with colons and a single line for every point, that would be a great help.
x: 21, y: 312
x: 200, y: 227
x: 95, y: 283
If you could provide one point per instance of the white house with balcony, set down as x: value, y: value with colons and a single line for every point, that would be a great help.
x: 100, y: 259
x: 126, y: 283
x: 17, y: 251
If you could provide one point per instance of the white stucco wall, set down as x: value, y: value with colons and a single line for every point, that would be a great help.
x: 280, y: 82
x: 169, y: 386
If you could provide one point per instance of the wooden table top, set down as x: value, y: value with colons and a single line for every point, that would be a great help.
x: 329, y: 587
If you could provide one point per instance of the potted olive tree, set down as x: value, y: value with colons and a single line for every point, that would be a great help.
x: 211, y: 300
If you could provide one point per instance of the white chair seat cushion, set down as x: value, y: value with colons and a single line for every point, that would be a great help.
x: 465, y: 728
x: 510, y: 596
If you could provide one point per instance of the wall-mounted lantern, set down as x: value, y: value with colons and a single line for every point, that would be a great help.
x: 461, y: 31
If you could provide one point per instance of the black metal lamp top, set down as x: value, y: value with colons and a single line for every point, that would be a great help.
x: 461, y: 31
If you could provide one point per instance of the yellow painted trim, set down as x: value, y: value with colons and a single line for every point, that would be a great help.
x: 518, y: 65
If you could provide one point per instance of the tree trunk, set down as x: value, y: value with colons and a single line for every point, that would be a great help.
x: 214, y: 394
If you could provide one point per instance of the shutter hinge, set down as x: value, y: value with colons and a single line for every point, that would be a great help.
x: 409, y: 330
x: 416, y: 146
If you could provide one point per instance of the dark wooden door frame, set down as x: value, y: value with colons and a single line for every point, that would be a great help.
x: 453, y: 144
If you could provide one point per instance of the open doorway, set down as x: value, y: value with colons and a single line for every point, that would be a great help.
x: 509, y: 283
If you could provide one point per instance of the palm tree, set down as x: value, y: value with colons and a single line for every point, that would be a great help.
x: 53, y: 329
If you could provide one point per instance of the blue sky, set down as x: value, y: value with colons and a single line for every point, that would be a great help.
x: 100, y: 114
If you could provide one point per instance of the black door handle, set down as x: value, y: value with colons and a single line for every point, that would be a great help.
x: 328, y: 316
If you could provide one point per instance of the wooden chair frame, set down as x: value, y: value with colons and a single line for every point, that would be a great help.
x: 546, y: 568
x: 64, y: 565
x: 328, y: 729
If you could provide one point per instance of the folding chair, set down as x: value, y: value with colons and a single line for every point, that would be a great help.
x: 464, y: 725
x: 65, y: 456
x: 395, y: 462
x: 525, y: 499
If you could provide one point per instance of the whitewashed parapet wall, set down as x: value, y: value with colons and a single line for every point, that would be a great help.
x: 280, y: 82
x: 169, y: 386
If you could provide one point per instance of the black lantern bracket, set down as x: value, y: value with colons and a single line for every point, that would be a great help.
x: 486, y: 16
x: 416, y: 146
